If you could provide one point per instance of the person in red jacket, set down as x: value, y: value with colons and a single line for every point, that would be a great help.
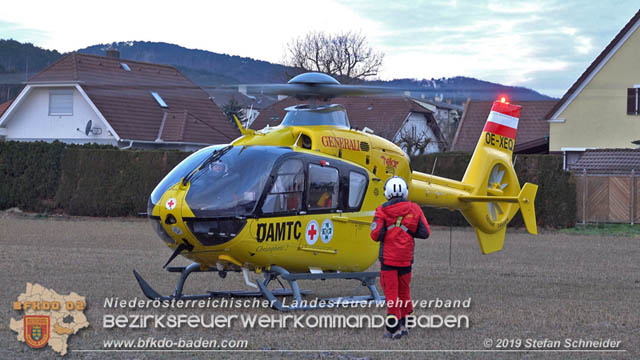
x: 395, y: 225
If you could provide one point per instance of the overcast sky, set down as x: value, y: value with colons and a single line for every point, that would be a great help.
x: 544, y: 45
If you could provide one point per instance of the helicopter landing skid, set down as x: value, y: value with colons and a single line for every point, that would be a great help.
x: 367, y: 280
x: 150, y: 293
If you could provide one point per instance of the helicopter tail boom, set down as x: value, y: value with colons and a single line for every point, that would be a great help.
x: 489, y: 194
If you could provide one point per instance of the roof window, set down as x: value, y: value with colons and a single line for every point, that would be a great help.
x: 159, y: 99
x: 125, y: 67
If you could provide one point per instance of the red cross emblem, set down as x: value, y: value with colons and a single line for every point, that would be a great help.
x: 311, y: 234
x: 171, y: 204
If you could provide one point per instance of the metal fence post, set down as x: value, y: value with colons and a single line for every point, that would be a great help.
x: 633, y: 196
x: 584, y: 197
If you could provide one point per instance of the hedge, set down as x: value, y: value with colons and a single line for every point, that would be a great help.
x: 99, y: 180
x: 111, y: 182
x: 29, y: 174
x: 555, y: 201
x: 92, y: 179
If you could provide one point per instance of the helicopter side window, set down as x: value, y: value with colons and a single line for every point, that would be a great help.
x: 323, y: 187
x: 286, y: 193
x: 357, y: 186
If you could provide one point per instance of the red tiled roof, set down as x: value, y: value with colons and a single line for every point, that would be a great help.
x: 532, y: 124
x: 594, y: 64
x: 608, y: 161
x: 174, y: 125
x: 124, y: 98
x: 384, y: 115
x: 4, y: 106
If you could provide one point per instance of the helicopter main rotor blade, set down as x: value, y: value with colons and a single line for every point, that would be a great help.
x: 321, y: 90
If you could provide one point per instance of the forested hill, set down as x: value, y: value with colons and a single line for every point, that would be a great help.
x: 18, y: 62
x: 221, y: 68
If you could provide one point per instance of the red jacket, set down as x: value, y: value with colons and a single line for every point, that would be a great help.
x: 396, y: 239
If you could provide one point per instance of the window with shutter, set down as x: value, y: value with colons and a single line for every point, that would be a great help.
x: 632, y: 101
x: 61, y: 102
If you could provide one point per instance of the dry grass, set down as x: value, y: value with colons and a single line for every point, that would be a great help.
x: 552, y: 286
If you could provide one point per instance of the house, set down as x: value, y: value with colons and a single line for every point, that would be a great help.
x: 447, y: 115
x: 107, y: 100
x: 533, y: 129
x: 399, y: 119
x: 4, y: 106
x: 602, y: 108
x: 249, y: 105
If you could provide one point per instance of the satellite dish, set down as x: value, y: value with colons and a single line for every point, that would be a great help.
x: 87, y: 129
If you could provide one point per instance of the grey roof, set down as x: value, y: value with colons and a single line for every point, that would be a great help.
x: 608, y: 161
x: 440, y: 104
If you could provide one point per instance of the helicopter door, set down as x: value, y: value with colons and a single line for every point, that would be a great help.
x: 321, y: 232
x: 285, y: 196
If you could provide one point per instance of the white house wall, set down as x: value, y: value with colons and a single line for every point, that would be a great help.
x: 419, y: 122
x: 31, y: 120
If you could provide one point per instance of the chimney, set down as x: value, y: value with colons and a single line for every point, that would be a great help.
x: 113, y: 53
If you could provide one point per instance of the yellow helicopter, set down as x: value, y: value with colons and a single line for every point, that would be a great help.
x: 295, y: 201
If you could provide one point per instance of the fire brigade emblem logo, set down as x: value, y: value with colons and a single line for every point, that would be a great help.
x: 36, y: 330
x: 49, y: 318
x: 326, y: 232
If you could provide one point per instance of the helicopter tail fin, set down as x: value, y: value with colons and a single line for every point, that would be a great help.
x: 496, y: 196
x: 489, y: 195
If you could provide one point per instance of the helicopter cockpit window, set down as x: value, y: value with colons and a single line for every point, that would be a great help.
x: 304, y: 115
x: 286, y: 193
x: 231, y: 184
x: 323, y: 187
x: 357, y: 186
x: 185, y: 167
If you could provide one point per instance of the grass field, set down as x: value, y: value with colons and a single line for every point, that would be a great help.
x: 555, y: 286
x: 604, y: 230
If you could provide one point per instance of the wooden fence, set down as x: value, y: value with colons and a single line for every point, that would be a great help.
x: 607, y: 198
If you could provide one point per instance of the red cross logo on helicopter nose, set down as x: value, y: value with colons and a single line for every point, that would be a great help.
x: 171, y: 204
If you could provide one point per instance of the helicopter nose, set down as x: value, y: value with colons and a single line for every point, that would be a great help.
x: 210, y: 232
x: 168, y: 214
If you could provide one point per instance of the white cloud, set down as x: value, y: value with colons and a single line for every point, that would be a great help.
x: 256, y: 29
x: 514, y: 7
x: 583, y: 45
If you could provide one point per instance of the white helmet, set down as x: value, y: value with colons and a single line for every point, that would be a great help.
x: 395, y: 187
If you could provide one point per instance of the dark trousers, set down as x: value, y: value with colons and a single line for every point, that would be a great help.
x: 396, y: 286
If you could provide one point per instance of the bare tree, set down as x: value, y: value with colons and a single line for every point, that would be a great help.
x: 346, y: 56
x: 412, y: 141
x: 232, y: 108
